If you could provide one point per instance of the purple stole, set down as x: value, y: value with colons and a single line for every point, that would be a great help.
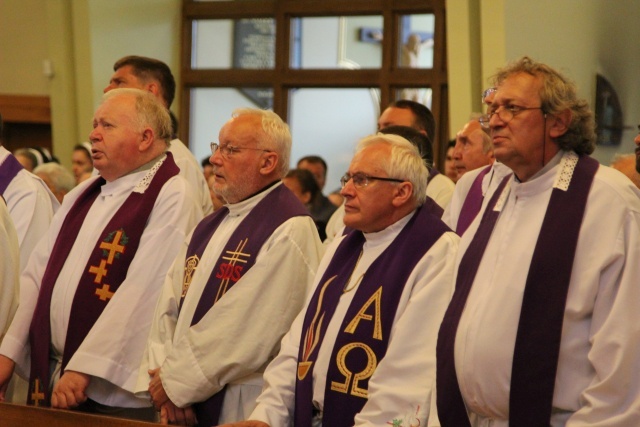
x: 472, y: 203
x: 8, y: 170
x: 537, y: 345
x: 105, y: 271
x: 237, y: 257
x: 364, y: 334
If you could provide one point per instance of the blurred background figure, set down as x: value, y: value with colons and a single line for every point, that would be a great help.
x: 321, y: 207
x: 81, y: 162
x: 303, y: 184
x: 473, y: 148
x: 59, y: 180
x: 449, y: 165
x: 27, y: 159
x: 207, y: 168
x: 626, y: 163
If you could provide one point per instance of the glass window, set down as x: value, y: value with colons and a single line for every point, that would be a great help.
x: 212, y: 107
x: 336, y: 42
x: 421, y: 95
x: 241, y: 43
x: 415, y: 49
x: 329, y: 123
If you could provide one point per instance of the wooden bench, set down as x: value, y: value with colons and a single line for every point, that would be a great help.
x: 29, y: 416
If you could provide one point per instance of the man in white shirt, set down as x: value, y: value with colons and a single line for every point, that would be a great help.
x: 543, y: 327
x: 362, y: 352
x: 152, y: 75
x: 413, y: 114
x: 89, y: 289
x: 237, y: 283
x: 30, y: 203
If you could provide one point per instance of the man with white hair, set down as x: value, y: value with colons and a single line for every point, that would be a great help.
x: 362, y: 352
x: 89, y: 289
x: 237, y: 283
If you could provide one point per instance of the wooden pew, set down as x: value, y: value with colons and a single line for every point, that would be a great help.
x: 29, y: 416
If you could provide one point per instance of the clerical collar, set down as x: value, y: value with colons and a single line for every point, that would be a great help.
x: 382, y: 235
x: 248, y: 203
x: 555, y: 161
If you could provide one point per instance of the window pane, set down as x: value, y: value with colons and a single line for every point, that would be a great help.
x: 336, y: 42
x: 415, y: 49
x: 240, y: 43
x: 421, y: 95
x: 329, y: 123
x: 212, y: 107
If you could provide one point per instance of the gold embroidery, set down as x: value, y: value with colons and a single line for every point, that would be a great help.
x: 37, y: 395
x: 114, y: 247
x: 100, y: 271
x: 377, y: 328
x: 372, y: 363
x: 104, y: 294
x: 312, y: 335
x: 190, y: 266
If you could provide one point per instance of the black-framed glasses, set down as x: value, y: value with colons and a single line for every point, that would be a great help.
x: 229, y: 150
x: 362, y: 180
x: 504, y: 112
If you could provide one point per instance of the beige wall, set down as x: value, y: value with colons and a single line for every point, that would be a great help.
x: 579, y: 37
x: 82, y: 39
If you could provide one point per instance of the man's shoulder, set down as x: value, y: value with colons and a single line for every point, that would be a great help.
x: 613, y: 188
x: 442, y: 180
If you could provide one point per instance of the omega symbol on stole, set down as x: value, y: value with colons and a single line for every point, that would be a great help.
x: 346, y: 365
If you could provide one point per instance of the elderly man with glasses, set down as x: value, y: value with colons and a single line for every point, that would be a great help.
x: 543, y: 327
x: 237, y: 283
x: 363, y: 350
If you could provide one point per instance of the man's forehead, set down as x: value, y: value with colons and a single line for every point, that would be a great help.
x: 372, y: 157
x: 125, y: 74
x: 517, y: 87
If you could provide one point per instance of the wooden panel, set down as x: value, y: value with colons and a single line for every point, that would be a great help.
x: 25, y: 109
x: 22, y: 416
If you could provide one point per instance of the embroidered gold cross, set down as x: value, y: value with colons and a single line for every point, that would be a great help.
x: 114, y: 247
x: 37, y: 395
x: 99, y: 271
x: 104, y: 293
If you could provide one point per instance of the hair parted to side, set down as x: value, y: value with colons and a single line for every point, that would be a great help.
x: 275, y: 135
x: 424, y: 119
x: 150, y: 112
x: 405, y: 162
x: 146, y: 69
x: 558, y: 94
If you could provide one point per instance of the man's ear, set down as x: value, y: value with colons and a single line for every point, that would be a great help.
x: 403, y: 193
x: 147, y: 140
x: 154, y: 88
x: 268, y: 163
x: 306, y: 197
x: 560, y: 123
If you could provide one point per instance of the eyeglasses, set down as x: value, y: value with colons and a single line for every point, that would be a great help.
x: 504, y: 112
x: 487, y: 92
x: 229, y: 150
x: 361, y: 180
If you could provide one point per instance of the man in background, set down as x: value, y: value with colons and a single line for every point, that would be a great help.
x: 154, y: 76
x: 418, y: 116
